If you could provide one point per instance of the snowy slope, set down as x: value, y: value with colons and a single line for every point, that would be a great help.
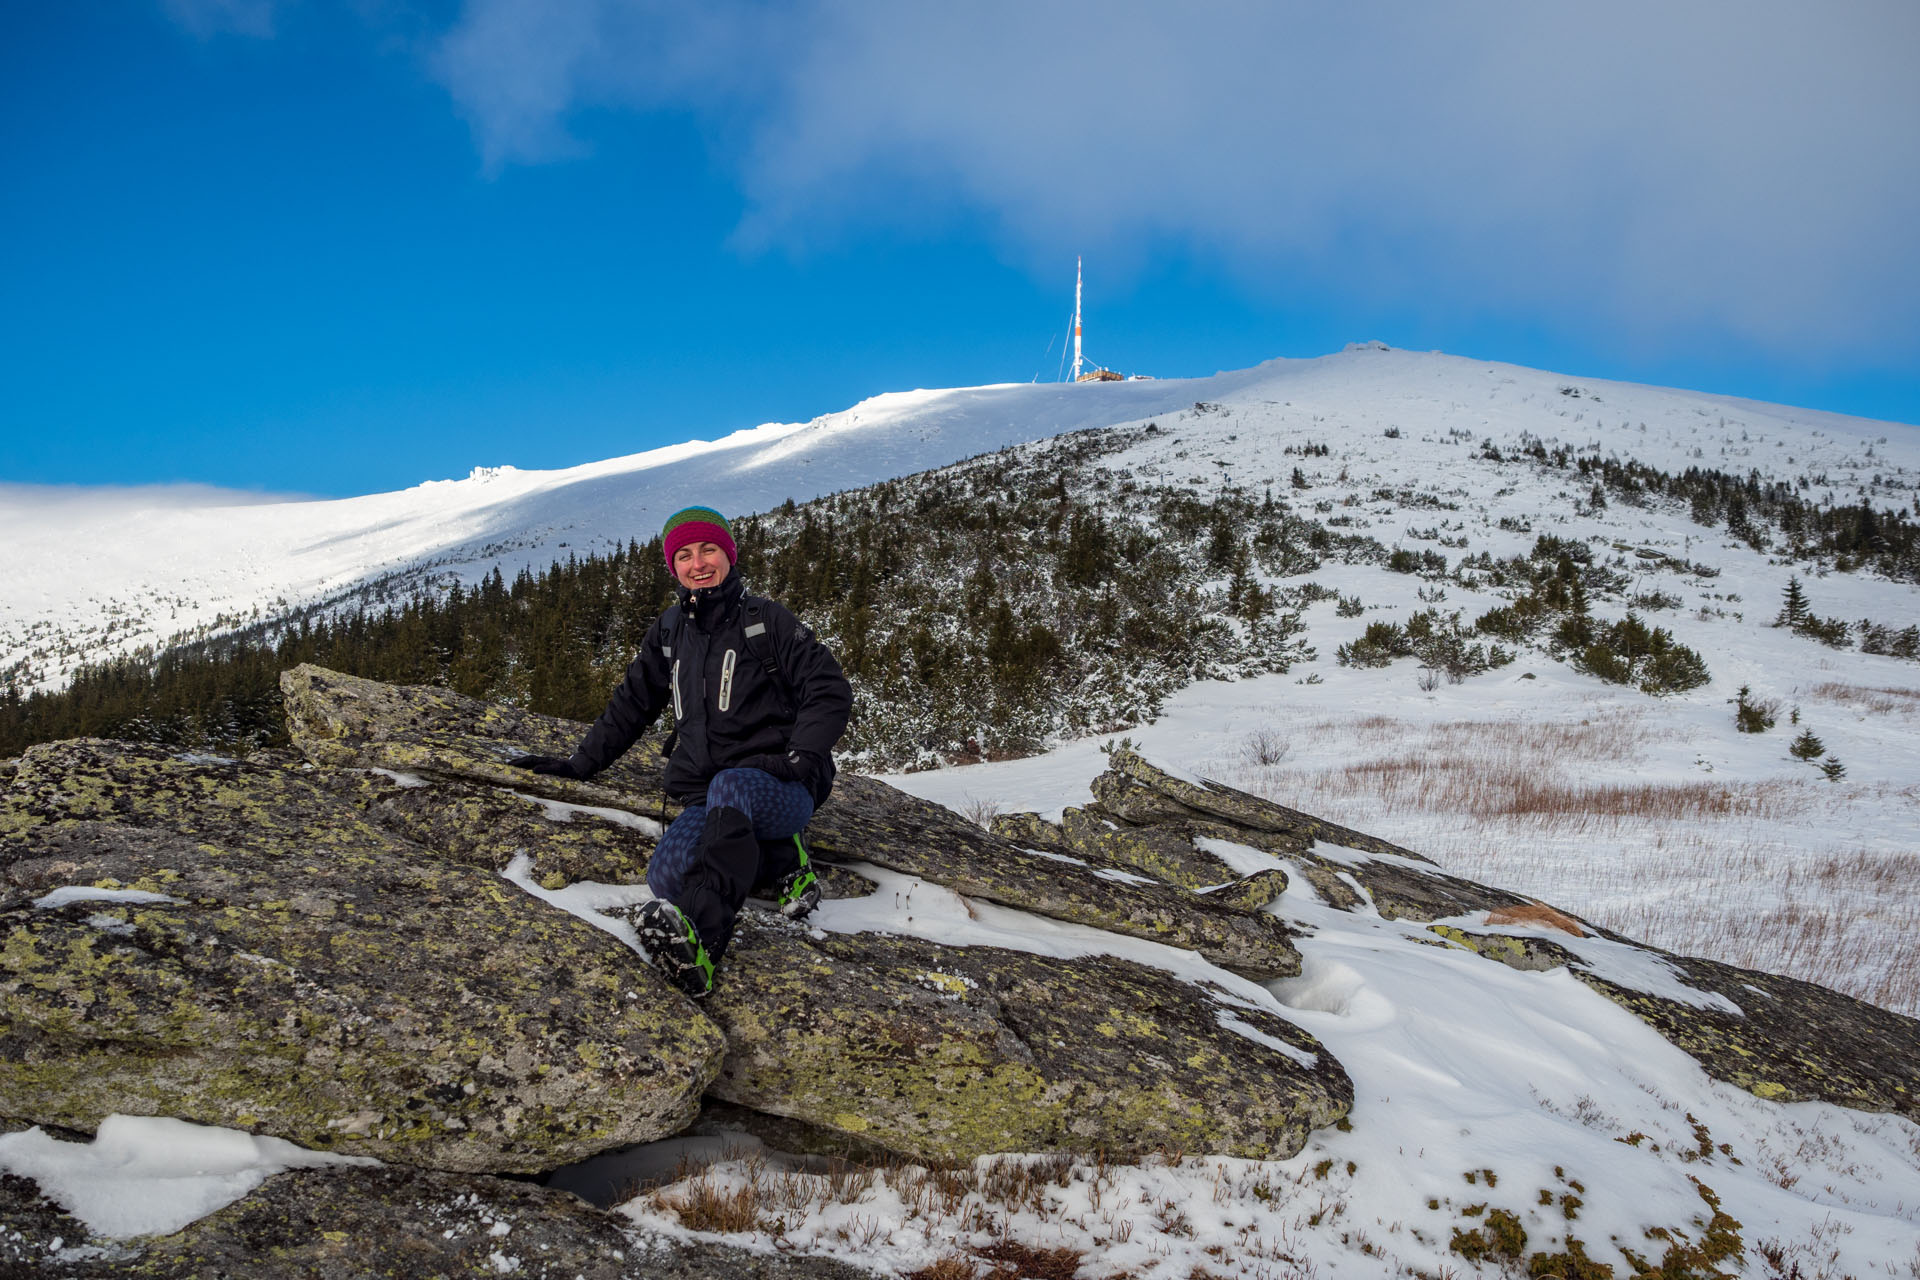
x: 1723, y: 846
x: 93, y: 575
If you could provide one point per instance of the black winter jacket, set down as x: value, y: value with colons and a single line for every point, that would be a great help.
x: 726, y: 707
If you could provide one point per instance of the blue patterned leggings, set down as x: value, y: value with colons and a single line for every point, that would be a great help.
x: 711, y: 894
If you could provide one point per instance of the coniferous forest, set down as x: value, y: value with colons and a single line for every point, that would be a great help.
x: 978, y: 610
x: 984, y: 608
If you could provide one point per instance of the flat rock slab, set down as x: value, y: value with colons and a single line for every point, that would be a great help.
x: 344, y: 721
x: 349, y: 1224
x: 1139, y: 793
x: 259, y: 957
x: 1790, y: 1041
x: 941, y: 1053
x: 868, y: 821
x: 489, y: 827
x: 347, y: 722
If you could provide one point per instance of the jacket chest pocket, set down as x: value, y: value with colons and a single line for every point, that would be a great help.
x: 726, y: 679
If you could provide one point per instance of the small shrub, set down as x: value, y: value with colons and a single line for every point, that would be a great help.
x: 1349, y: 607
x: 1029, y: 1263
x: 1266, y: 747
x: 1879, y: 638
x: 1655, y: 599
x: 1501, y: 1237
x: 1753, y: 717
x: 1832, y: 767
x: 1378, y: 646
x: 1807, y: 746
x: 1630, y: 652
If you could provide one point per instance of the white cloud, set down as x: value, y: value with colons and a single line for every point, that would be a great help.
x: 1638, y: 166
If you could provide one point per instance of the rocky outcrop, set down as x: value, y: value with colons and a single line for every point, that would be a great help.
x: 318, y: 946
x: 432, y: 733
x: 1146, y: 807
x: 1778, y: 1038
x: 945, y: 1053
x: 870, y: 822
x: 235, y: 945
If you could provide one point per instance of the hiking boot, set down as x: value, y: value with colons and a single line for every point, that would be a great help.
x: 798, y: 892
x: 670, y: 939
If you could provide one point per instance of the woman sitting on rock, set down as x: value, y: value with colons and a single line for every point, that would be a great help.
x: 758, y: 703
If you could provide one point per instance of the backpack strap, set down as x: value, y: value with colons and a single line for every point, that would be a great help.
x: 671, y: 621
x: 760, y: 644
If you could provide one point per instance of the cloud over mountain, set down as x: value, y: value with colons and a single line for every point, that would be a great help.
x: 1637, y: 168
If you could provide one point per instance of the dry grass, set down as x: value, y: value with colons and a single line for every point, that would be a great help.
x: 1430, y: 781
x: 1744, y: 872
x: 1879, y: 701
x: 977, y: 1221
x: 980, y: 812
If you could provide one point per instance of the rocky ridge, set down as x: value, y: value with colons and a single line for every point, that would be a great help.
x: 319, y: 945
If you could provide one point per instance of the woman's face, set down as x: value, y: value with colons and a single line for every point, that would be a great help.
x: 700, y: 564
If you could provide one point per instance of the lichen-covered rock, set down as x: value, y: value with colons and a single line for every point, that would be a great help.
x: 350, y: 1224
x: 345, y: 721
x: 257, y: 955
x: 490, y: 826
x: 946, y: 1053
x: 1136, y: 791
x: 1790, y: 1041
x: 1165, y: 852
x: 1154, y: 816
x: 1250, y: 893
x: 1030, y: 830
x: 868, y: 821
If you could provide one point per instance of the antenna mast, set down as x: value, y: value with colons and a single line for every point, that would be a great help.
x: 1076, y: 319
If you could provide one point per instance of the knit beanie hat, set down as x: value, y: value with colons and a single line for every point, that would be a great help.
x: 698, y: 524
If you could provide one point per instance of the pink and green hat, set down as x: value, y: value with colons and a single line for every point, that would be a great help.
x: 698, y: 524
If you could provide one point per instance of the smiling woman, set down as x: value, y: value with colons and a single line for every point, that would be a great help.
x: 758, y: 704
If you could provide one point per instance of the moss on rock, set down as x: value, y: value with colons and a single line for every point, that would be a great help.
x: 310, y: 976
x: 946, y: 1053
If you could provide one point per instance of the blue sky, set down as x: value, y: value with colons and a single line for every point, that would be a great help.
x: 344, y: 247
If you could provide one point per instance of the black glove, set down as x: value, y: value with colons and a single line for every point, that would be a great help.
x: 555, y: 766
x: 795, y: 766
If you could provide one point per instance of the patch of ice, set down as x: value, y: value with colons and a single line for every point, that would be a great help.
x: 72, y: 893
x: 561, y: 811
x: 1230, y: 1023
x: 408, y: 780
x: 587, y: 899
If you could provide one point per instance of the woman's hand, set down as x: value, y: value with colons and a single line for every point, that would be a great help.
x: 554, y: 766
x: 795, y: 766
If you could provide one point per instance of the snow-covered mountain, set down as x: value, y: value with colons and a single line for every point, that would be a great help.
x: 1653, y: 816
x: 91, y: 575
